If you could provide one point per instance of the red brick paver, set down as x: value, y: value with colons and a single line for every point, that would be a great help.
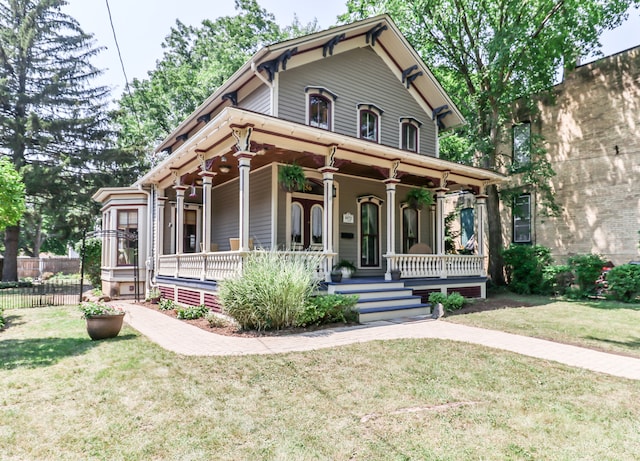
x: 185, y: 339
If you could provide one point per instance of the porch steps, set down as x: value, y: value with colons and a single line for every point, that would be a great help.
x: 381, y: 300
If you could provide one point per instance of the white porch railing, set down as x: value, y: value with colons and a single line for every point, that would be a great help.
x: 221, y: 265
x: 443, y: 266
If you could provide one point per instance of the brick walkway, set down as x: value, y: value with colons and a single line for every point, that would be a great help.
x: 185, y: 339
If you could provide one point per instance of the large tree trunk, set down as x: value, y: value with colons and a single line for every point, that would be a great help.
x: 10, y: 267
x: 496, y: 262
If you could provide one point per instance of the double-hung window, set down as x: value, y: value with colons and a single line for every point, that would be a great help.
x: 521, y: 144
x: 320, y: 107
x: 127, y: 244
x: 522, y: 219
x: 409, y: 134
x: 369, y: 122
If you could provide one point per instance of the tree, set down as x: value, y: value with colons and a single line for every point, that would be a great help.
x: 52, y: 121
x: 11, y: 194
x: 490, y: 53
x: 196, y: 61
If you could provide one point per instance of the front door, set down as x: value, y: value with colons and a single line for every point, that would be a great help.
x: 307, y: 217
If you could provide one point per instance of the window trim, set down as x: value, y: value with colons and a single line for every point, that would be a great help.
x: 377, y: 112
x: 416, y: 124
x: 321, y: 92
x: 515, y: 226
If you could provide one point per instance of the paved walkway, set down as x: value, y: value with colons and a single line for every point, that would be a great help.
x: 183, y: 338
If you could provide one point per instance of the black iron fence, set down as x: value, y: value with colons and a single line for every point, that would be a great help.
x: 49, y: 293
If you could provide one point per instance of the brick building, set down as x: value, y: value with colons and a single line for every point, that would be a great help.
x: 591, y: 130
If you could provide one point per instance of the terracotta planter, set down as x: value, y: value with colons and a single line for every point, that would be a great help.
x: 104, y: 326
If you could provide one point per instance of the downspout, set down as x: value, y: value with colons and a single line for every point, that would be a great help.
x: 150, y: 242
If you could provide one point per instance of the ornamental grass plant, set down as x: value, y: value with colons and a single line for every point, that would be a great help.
x: 272, y: 291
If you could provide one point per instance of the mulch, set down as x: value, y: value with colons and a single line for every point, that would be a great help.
x: 478, y: 305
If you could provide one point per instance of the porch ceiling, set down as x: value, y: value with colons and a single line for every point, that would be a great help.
x: 276, y: 140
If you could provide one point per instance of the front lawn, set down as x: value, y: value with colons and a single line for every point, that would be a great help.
x: 66, y: 397
x: 604, y: 325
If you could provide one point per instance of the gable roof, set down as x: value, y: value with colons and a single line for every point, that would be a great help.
x: 379, y: 32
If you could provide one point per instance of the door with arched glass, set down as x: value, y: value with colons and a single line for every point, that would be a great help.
x: 307, y: 228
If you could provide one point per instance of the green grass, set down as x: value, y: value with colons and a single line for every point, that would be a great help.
x: 603, y: 325
x: 66, y: 397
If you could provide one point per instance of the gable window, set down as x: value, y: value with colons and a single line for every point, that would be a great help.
x: 320, y: 107
x: 369, y: 122
x: 127, y: 222
x: 409, y: 134
x: 521, y: 144
x: 522, y: 219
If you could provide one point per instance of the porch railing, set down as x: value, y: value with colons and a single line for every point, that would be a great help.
x: 443, y: 266
x: 221, y: 265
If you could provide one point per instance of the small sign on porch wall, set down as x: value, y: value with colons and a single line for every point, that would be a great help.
x: 347, y: 218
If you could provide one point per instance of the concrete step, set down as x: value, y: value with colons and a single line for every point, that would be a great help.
x: 386, y: 313
x: 353, y: 284
x: 397, y: 301
x: 377, y: 292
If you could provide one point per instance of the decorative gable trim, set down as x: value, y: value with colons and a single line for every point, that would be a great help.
x: 328, y: 47
x: 375, y: 32
x: 273, y: 66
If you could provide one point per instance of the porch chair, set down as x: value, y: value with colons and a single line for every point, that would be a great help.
x: 420, y: 249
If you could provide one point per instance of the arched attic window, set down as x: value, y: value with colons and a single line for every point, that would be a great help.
x: 319, y: 107
x: 410, y: 134
x: 369, y: 116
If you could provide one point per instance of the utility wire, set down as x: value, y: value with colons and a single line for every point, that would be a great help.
x: 124, y: 72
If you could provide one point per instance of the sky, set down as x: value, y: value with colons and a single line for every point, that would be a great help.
x: 142, y: 25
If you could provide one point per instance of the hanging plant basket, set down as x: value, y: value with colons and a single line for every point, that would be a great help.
x: 291, y: 178
x: 419, y: 197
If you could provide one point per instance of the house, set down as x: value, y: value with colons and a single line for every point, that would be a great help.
x: 353, y: 106
x: 590, y: 125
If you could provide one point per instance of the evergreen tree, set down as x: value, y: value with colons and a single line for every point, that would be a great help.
x: 52, y: 121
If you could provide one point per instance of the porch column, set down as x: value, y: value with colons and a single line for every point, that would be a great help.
x: 207, y: 179
x: 481, y: 216
x: 244, y: 166
x: 179, y: 232
x: 440, y: 196
x: 391, y: 223
x: 161, y: 201
x: 327, y: 222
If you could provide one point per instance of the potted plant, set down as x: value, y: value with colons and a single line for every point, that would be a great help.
x: 103, y: 320
x: 419, y: 197
x: 346, y: 267
x: 395, y: 274
x: 336, y: 275
x: 154, y: 295
x: 291, y: 178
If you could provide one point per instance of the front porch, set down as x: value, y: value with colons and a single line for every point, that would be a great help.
x: 192, y: 279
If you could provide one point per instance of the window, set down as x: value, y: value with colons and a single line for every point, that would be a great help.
x: 467, y: 229
x: 316, y: 225
x: 410, y: 229
x: 521, y: 144
x: 409, y: 129
x: 369, y: 122
x: 127, y: 223
x: 369, y: 207
x: 319, y: 111
x: 522, y: 219
x: 296, y: 225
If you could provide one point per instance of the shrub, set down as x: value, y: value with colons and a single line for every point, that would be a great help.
x: 557, y: 279
x: 191, y: 312
x: 166, y: 305
x: 624, y: 282
x: 272, y: 291
x: 2, y: 320
x: 92, y: 260
x: 452, y: 302
x: 524, y: 266
x: 216, y: 320
x: 586, y: 268
x: 331, y: 308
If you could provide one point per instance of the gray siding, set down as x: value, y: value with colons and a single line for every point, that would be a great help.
x: 225, y: 206
x: 258, y: 101
x: 356, y: 77
x: 350, y: 189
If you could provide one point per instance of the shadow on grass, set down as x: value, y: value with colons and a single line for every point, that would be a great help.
x: 42, y: 352
x: 606, y: 304
x: 633, y: 344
